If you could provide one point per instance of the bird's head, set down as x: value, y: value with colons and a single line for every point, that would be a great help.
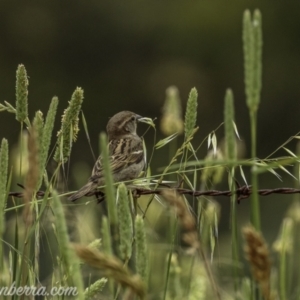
x: 122, y: 124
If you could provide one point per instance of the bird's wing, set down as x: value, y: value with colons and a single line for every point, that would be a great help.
x: 123, y: 153
x: 126, y: 152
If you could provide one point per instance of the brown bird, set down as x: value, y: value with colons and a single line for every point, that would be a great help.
x: 126, y: 154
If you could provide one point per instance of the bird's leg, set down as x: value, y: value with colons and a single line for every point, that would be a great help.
x: 99, y: 196
x: 135, y: 193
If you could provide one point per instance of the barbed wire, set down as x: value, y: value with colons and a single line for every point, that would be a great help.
x: 242, y: 192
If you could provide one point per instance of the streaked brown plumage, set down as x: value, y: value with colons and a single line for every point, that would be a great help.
x: 126, y: 154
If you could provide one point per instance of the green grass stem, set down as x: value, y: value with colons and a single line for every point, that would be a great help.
x: 3, y: 193
x: 125, y: 222
x: 252, y: 44
x: 231, y: 156
x: 46, y: 138
x: 69, y: 258
x: 110, y: 192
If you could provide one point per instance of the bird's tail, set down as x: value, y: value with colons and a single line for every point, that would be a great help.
x: 84, y: 191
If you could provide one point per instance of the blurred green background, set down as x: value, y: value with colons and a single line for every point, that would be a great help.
x: 125, y: 54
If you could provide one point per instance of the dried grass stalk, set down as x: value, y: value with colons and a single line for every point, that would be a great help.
x: 113, y: 268
x: 258, y: 255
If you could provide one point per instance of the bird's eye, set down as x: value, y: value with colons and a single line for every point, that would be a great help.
x: 133, y: 118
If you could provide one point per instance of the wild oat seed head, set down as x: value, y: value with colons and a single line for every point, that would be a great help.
x: 212, y: 172
x: 294, y: 211
x: 258, y: 255
x: 172, y: 121
x: 112, y: 267
x: 20, y: 154
x: 284, y: 243
x: 184, y: 215
x: 212, y: 209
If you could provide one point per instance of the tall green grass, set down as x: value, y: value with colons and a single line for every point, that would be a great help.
x: 158, y: 246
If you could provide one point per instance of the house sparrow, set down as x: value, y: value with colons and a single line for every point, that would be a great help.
x: 126, y: 154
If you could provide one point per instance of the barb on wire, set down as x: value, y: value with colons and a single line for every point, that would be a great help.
x: 242, y: 192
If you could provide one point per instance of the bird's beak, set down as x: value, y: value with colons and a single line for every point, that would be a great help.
x: 148, y: 121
